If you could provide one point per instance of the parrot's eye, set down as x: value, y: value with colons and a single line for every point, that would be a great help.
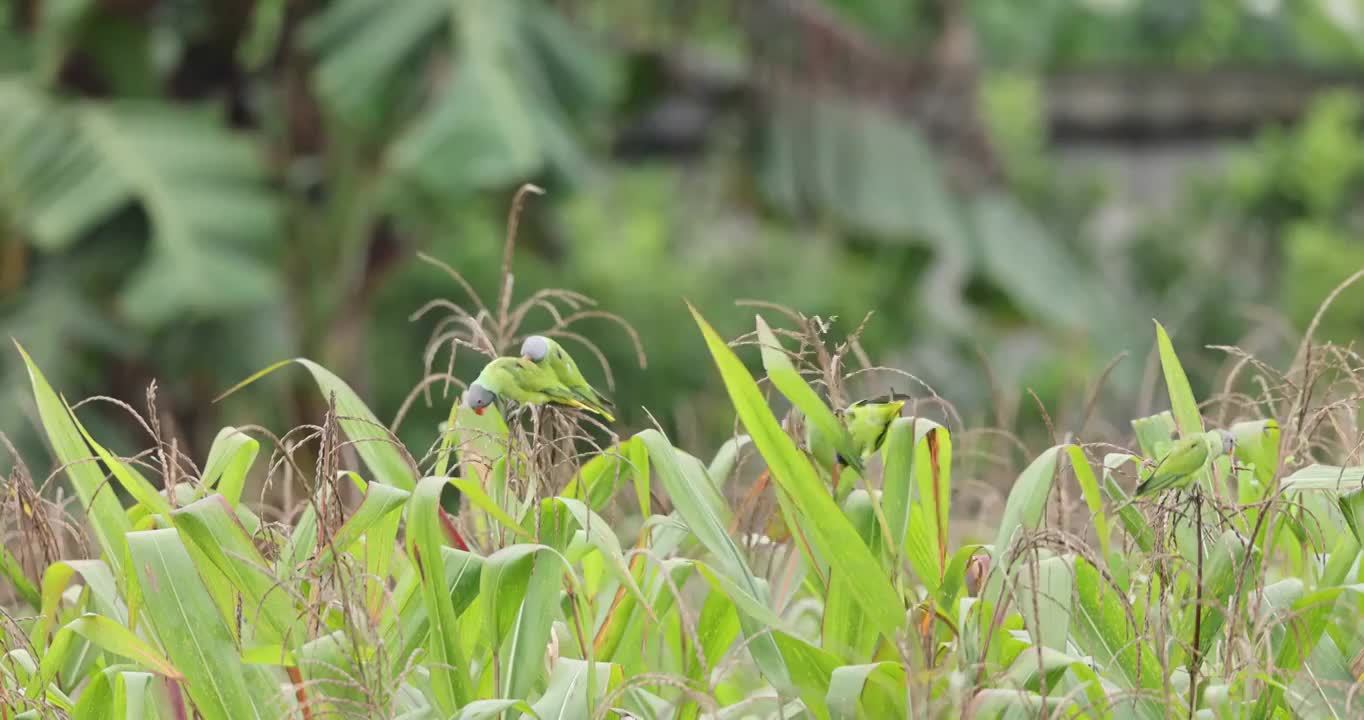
x: 535, y: 347
x: 479, y: 397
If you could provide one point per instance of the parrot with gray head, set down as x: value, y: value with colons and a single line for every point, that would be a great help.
x: 550, y: 355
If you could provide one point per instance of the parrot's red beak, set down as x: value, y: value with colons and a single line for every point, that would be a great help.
x: 479, y: 411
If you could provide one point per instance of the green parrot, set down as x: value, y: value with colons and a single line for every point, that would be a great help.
x: 1186, y: 457
x: 523, y: 381
x: 550, y: 355
x: 867, y: 422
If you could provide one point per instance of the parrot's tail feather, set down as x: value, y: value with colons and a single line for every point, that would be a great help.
x: 592, y: 408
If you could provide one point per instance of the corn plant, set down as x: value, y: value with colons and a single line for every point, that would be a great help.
x: 1235, y: 598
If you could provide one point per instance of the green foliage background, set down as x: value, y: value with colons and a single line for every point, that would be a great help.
x: 191, y: 190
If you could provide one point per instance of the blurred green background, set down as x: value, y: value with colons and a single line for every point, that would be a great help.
x: 193, y: 189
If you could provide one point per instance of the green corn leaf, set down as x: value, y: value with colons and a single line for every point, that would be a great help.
x: 600, y: 535
x: 600, y: 478
x: 267, y: 609
x: 1305, y: 623
x: 14, y: 572
x: 107, y: 519
x: 1093, y: 495
x: 1022, y: 512
x: 449, y: 674
x: 462, y: 571
x: 132, y: 697
x: 481, y: 441
x: 229, y: 460
x: 1131, y: 518
x: 192, y: 632
x: 574, y: 688
x: 520, y: 591
x: 109, y: 636
x: 1102, y: 628
x: 386, y: 458
x: 870, y: 690
x: 493, y: 709
x: 685, y: 488
x: 906, y: 446
x: 98, y: 580
x: 788, y: 381
x: 833, y: 536
x: 381, y: 503
x: 471, y: 489
x: 811, y: 670
x: 1182, y: 403
x: 726, y: 458
x: 1220, y: 571
x: 1044, y: 600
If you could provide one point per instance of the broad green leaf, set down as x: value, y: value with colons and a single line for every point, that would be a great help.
x: 1022, y: 512
x: 95, y: 698
x: 520, y: 592
x: 193, y: 634
x: 701, y: 517
x: 1220, y: 571
x: 601, y: 536
x: 788, y: 381
x: 132, y: 697
x: 1044, y: 595
x: 1155, y: 433
x: 449, y: 674
x: 266, y: 609
x: 726, y: 458
x: 599, y: 478
x: 481, y: 440
x: 229, y: 460
x: 99, y: 582
x: 833, y: 536
x: 329, y: 666
x: 1302, y: 631
x: 380, y: 537
x: 462, y: 576
x: 1182, y: 403
x: 1325, y: 477
x: 380, y: 504
x: 471, y: 489
x: 106, y: 517
x: 493, y: 709
x: 933, y: 480
x: 1038, y: 667
x: 864, y: 691
x: 955, y: 577
x: 906, y: 447
x: 1093, y: 495
x: 108, y: 636
x: 14, y: 572
x: 574, y: 688
x: 1102, y: 628
x: 386, y: 458
x: 811, y: 671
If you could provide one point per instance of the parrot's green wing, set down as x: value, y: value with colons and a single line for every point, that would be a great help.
x: 565, y: 369
x: 545, y: 382
x: 1178, y: 467
x: 497, y: 377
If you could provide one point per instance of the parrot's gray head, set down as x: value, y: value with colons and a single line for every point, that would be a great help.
x: 535, y: 348
x: 478, y: 398
x: 1228, y: 442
